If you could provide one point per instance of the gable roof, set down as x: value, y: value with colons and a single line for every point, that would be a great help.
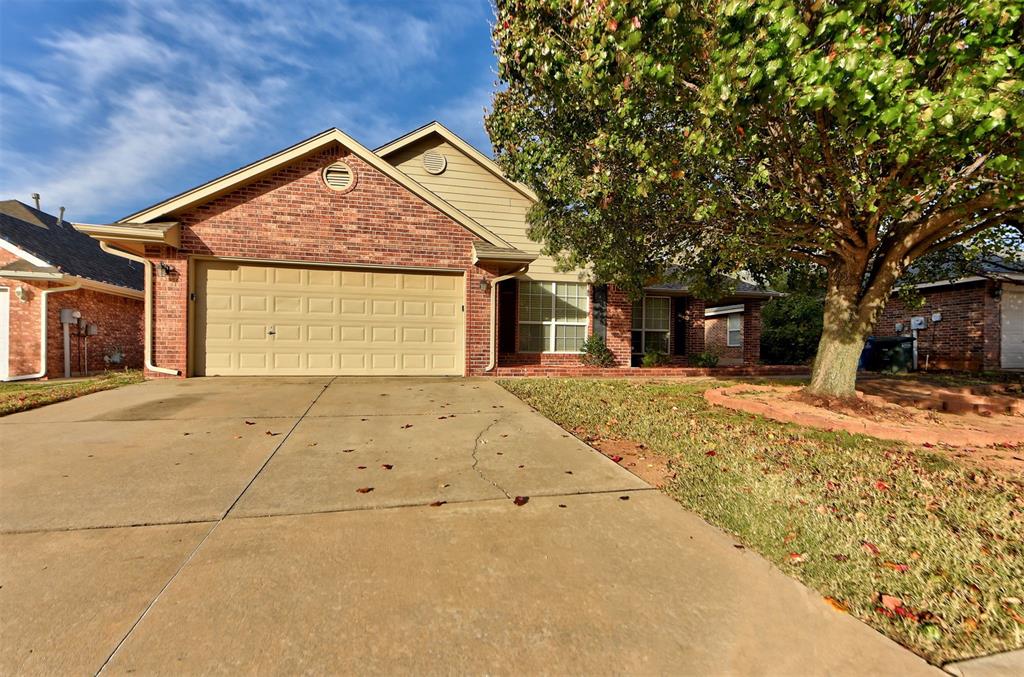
x: 268, y: 164
x: 59, y: 248
x: 455, y: 140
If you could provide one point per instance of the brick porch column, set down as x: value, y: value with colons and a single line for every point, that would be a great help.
x: 752, y: 331
x: 620, y: 325
x: 694, y: 326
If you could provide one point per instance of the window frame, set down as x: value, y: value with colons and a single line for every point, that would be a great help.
x: 553, y: 322
x: 644, y: 330
x: 729, y: 331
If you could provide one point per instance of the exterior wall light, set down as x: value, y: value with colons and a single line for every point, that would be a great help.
x: 164, y: 269
x: 22, y: 294
x: 484, y: 284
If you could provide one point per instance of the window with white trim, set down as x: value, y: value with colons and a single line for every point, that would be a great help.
x: 652, y: 318
x: 734, y: 330
x: 552, y: 316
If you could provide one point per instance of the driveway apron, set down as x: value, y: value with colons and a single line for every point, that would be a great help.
x: 381, y: 525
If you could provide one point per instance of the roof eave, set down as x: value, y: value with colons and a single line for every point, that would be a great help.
x: 166, y: 233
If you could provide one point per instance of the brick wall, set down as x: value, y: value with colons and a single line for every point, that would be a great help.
x: 292, y: 216
x: 620, y: 326
x: 752, y: 331
x: 118, y: 318
x: 967, y: 337
x: 716, y: 339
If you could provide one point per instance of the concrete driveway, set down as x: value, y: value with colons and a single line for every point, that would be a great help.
x: 224, y: 525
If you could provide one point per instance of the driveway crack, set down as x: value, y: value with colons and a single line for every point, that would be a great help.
x: 476, y: 459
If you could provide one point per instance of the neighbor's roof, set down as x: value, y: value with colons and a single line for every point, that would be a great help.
x: 262, y: 167
x: 455, y: 140
x: 742, y: 288
x: 992, y: 267
x: 61, y: 248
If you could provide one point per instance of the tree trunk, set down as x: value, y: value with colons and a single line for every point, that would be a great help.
x: 842, y: 339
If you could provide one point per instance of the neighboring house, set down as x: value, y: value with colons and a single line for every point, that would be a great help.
x: 47, y: 266
x: 330, y: 258
x: 971, y: 323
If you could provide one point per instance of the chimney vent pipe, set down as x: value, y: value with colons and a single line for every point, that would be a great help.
x: 60, y: 219
x: 35, y: 198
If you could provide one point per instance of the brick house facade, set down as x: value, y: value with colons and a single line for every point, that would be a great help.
x: 391, y: 218
x: 115, y: 310
x: 966, y: 338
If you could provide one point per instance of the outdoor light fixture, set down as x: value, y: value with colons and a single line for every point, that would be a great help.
x: 22, y: 294
x: 484, y: 285
x: 164, y: 269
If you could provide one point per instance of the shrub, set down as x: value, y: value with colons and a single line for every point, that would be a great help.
x: 706, y: 359
x: 595, y: 353
x: 654, y: 358
x: 791, y: 329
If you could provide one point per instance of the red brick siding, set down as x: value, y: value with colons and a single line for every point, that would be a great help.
x: 620, y: 326
x: 752, y: 331
x: 967, y: 337
x: 292, y: 216
x: 118, y: 318
x: 716, y: 340
x: 696, y: 339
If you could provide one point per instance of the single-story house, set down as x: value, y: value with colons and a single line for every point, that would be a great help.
x: 412, y: 259
x: 66, y: 306
x: 969, y: 322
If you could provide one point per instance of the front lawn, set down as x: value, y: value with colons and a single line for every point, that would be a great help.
x: 926, y: 551
x: 18, y: 396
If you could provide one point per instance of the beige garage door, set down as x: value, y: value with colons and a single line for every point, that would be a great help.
x: 287, y: 320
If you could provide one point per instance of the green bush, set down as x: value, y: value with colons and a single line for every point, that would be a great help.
x: 706, y: 359
x: 791, y: 329
x: 654, y: 358
x: 595, y: 353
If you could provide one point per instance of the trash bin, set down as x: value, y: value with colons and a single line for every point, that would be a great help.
x: 889, y: 354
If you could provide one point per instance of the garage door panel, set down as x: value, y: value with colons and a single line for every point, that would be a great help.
x: 326, y: 321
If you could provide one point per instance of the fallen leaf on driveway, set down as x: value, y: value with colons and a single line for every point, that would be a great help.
x: 387, y: 466
x: 521, y: 500
x: 364, y: 490
x: 437, y: 504
x: 407, y: 425
x: 361, y: 467
x: 835, y: 604
x: 272, y: 434
x: 250, y: 423
x: 347, y: 451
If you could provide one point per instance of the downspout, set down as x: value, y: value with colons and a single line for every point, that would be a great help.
x: 147, y: 308
x: 42, y: 331
x: 494, y: 314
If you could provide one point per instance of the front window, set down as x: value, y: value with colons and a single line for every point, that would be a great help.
x: 651, y: 319
x: 735, y: 330
x: 552, y: 317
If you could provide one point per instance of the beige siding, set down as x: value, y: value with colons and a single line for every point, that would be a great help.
x: 479, y: 194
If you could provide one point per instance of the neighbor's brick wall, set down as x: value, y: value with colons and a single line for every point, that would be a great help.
x: 118, y: 318
x: 291, y: 215
x: 967, y: 337
x: 24, y: 323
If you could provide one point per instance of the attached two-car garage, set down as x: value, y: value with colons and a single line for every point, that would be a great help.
x: 262, y: 319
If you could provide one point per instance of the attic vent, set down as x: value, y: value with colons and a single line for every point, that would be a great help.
x: 434, y: 162
x: 339, y: 176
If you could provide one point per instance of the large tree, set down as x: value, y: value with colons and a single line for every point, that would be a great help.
x: 751, y: 135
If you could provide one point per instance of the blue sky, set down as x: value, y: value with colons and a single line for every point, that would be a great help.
x: 107, y: 107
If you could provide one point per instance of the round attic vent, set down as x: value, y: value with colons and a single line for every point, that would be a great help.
x: 434, y: 162
x: 339, y: 176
